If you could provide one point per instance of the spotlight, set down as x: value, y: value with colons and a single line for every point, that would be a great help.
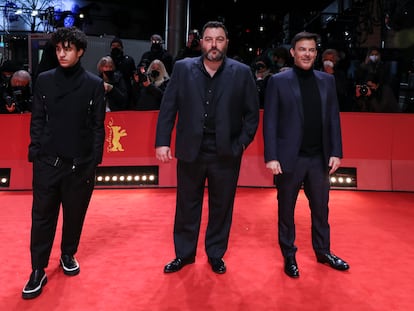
x: 126, y: 176
x: 344, y: 177
x: 5, y: 177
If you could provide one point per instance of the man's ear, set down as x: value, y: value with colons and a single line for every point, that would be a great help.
x: 81, y: 52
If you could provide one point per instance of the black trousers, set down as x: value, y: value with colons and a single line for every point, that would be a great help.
x: 313, y: 174
x: 53, y: 186
x: 221, y: 175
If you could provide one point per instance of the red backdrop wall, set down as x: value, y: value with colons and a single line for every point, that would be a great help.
x: 379, y: 146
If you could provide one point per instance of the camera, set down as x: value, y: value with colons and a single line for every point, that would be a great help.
x: 363, y: 90
x: 142, y: 74
x: 16, y: 101
x: 259, y: 66
x: 195, y: 42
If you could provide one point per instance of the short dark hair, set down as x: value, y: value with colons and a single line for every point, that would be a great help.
x: 214, y: 24
x: 72, y: 35
x: 304, y: 35
x: 117, y: 40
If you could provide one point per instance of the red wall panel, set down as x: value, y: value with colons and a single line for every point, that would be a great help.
x: 379, y: 146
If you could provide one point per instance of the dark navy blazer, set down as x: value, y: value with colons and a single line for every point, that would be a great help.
x: 283, y: 118
x: 236, y: 108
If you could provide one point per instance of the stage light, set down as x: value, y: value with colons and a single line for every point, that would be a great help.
x: 344, y: 177
x: 126, y: 176
x: 5, y: 177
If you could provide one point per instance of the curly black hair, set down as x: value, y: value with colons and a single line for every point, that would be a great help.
x: 70, y: 35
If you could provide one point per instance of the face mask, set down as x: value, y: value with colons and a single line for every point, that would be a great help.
x: 328, y: 63
x: 156, y: 47
x: 155, y: 74
x: 110, y: 74
x: 116, y: 52
x: 373, y: 58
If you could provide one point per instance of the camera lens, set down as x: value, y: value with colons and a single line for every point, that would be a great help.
x: 259, y: 66
x: 363, y: 90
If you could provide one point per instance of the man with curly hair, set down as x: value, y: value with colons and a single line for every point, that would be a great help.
x: 67, y: 136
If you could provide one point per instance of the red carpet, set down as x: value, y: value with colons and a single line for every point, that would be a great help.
x: 127, y: 240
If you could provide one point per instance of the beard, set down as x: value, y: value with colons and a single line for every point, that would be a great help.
x: 219, y: 56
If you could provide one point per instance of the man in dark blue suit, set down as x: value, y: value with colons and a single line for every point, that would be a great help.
x: 217, y: 104
x: 303, y: 146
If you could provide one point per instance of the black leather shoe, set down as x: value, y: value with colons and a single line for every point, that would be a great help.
x: 332, y: 260
x: 33, y: 287
x: 177, y: 264
x: 217, y: 265
x: 70, y: 265
x: 291, y: 267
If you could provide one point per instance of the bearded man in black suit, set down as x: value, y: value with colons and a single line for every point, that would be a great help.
x: 217, y: 104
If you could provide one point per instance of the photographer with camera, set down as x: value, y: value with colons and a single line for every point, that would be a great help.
x: 261, y: 68
x: 116, y: 91
x: 17, y: 97
x: 149, y: 86
x: 373, y: 91
x: 193, y: 47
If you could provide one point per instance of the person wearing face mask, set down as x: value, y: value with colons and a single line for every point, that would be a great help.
x: 280, y: 59
x: 157, y: 51
x: 150, y: 85
x: 192, y: 48
x: 124, y: 64
x: 116, y: 93
x: 330, y: 59
x: 6, y: 71
x: 18, y: 97
x: 262, y: 73
x: 373, y: 90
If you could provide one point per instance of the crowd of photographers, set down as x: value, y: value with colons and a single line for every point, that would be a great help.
x: 140, y: 87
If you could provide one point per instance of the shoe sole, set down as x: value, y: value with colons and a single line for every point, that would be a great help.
x: 292, y: 276
x: 36, y: 292
x: 218, y: 271
x: 70, y: 272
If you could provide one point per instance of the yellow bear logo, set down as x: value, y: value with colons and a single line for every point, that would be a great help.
x: 115, y: 134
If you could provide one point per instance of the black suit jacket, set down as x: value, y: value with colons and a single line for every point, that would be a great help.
x: 68, y: 116
x: 283, y: 118
x: 237, y: 109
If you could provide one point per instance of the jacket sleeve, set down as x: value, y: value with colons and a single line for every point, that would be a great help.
x: 98, y: 120
x: 37, y: 121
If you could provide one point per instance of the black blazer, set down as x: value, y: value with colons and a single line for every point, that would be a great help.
x: 68, y: 116
x: 237, y: 109
x: 283, y: 118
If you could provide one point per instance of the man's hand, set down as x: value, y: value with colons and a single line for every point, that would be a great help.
x: 163, y: 154
x: 274, y: 167
x: 334, y: 164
